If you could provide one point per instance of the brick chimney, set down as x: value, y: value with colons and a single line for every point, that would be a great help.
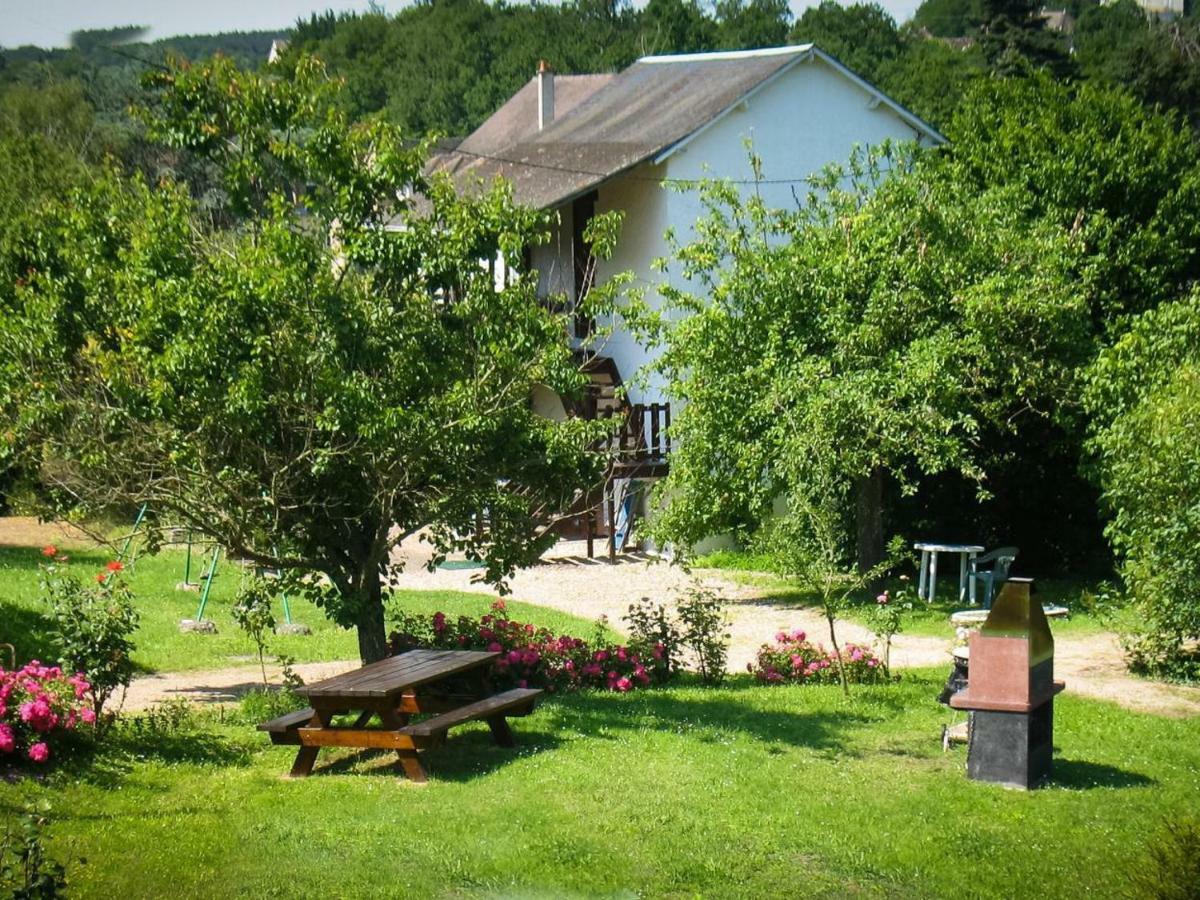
x: 545, y: 81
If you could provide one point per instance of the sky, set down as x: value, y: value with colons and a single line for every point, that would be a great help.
x: 49, y: 23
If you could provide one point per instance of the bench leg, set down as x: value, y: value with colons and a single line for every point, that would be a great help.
x: 306, y: 757
x: 501, y: 733
x: 412, y: 766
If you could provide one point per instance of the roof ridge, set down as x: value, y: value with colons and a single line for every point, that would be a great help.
x: 727, y: 54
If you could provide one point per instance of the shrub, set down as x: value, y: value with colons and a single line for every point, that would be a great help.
x: 697, y: 631
x: 252, y: 613
x: 655, y: 633
x: 1144, y: 395
x: 1172, y: 869
x: 530, y: 656
x: 794, y: 659
x: 25, y: 870
x: 703, y: 623
x: 39, y: 706
x: 92, y: 625
x: 886, y: 619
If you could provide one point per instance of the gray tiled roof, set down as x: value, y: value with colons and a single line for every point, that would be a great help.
x: 605, y: 124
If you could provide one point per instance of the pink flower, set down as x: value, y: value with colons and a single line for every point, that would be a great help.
x: 882, y: 599
x: 494, y: 647
x: 624, y: 684
x: 600, y: 655
x: 872, y: 663
x: 781, y: 636
x: 8, y: 740
x: 798, y: 635
x: 622, y: 655
x: 88, y: 716
x: 39, y: 752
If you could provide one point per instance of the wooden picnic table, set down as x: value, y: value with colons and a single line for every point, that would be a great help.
x: 454, y: 685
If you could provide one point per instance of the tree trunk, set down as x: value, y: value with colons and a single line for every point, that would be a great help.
x: 868, y: 509
x: 372, y: 635
x: 837, y: 651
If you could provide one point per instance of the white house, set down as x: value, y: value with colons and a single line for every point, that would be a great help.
x: 586, y: 144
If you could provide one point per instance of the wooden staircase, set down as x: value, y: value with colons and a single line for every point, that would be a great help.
x: 639, y: 448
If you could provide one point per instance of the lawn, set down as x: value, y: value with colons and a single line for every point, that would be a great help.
x: 160, y: 645
x: 743, y: 791
x: 738, y: 791
x: 1088, y: 615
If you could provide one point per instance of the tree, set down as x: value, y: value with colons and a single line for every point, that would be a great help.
x: 1014, y: 38
x: 328, y: 372
x: 948, y: 18
x: 675, y: 26
x: 1144, y: 395
x: 874, y: 330
x: 749, y: 24
x: 862, y: 36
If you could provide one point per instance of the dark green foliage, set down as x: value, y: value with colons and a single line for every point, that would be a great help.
x: 1144, y: 395
x: 1158, y: 61
x: 948, y: 18
x: 26, y: 872
x: 87, y: 40
x: 746, y: 24
x: 1171, y: 870
x: 1014, y: 38
x: 863, y: 36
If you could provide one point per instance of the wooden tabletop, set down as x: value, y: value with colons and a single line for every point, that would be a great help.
x: 398, y: 674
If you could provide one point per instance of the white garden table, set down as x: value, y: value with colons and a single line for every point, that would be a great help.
x: 927, y: 581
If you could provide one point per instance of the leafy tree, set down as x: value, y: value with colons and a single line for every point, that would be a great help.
x: 1144, y: 394
x: 329, y: 373
x: 1159, y: 62
x: 868, y: 335
x: 748, y: 24
x: 1092, y: 159
x: 1013, y: 37
x: 948, y: 18
x: 675, y: 26
x: 862, y: 36
x: 931, y: 77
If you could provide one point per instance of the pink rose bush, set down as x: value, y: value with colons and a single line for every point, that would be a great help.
x: 531, y: 656
x: 793, y: 659
x: 39, y: 706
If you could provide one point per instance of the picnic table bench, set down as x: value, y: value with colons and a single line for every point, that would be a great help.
x: 451, y: 685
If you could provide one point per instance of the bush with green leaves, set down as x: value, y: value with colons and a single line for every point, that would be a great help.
x: 26, y: 872
x: 1171, y: 870
x: 92, y: 627
x: 703, y: 632
x: 1145, y: 395
x: 252, y: 613
x: 695, y: 632
x: 885, y: 618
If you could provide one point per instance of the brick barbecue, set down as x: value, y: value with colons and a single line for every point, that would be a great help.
x: 1010, y: 692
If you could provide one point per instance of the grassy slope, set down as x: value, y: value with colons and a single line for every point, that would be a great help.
x: 160, y: 646
x: 925, y: 619
x: 742, y: 791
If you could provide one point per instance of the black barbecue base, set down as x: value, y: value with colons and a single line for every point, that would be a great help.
x: 1012, y: 749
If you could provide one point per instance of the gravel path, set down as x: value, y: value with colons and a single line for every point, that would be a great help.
x: 568, y: 581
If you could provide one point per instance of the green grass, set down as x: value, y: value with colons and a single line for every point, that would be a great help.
x: 743, y: 791
x: 929, y: 619
x: 160, y: 646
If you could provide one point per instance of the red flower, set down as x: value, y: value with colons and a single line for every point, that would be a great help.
x: 115, y: 566
x: 101, y: 577
x: 49, y: 550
